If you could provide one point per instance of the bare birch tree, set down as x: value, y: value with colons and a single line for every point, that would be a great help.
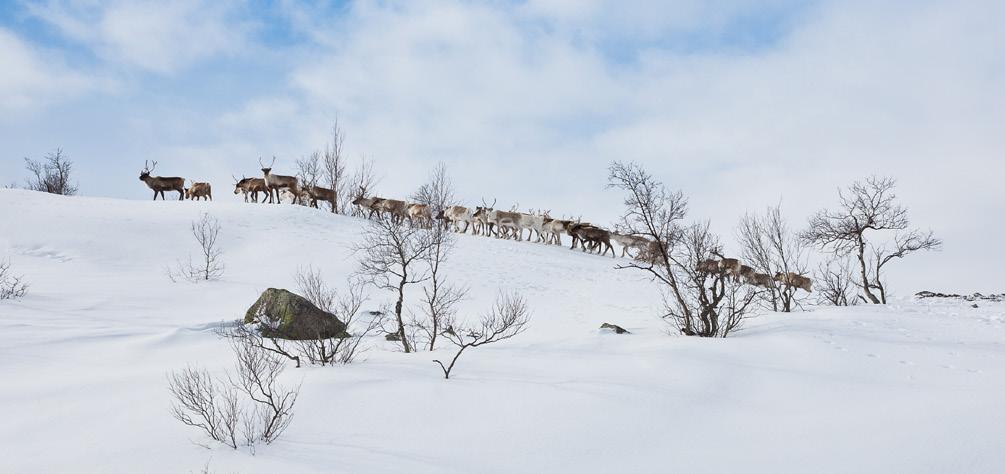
x: 209, y: 265
x: 770, y: 247
x: 835, y: 282
x: 697, y: 303
x: 334, y: 168
x: 391, y: 257
x: 864, y: 210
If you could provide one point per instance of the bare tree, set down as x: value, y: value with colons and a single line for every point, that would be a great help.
x: 334, y: 168
x: 697, y: 302
x: 52, y: 174
x: 217, y: 408
x: 438, y: 192
x: 836, y: 283
x: 11, y: 285
x: 346, y: 308
x: 257, y: 376
x: 204, y: 403
x: 209, y: 266
x: 391, y: 256
x: 440, y: 298
x: 866, y: 208
x: 509, y: 316
x: 771, y: 247
x: 309, y: 170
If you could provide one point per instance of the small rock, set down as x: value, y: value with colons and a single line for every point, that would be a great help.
x: 974, y: 305
x: 392, y: 336
x: 617, y: 329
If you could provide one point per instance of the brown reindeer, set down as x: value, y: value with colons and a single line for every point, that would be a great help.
x: 251, y: 186
x: 421, y: 214
x: 595, y: 236
x: 764, y: 281
x: 794, y: 280
x: 709, y: 266
x: 318, y: 193
x: 276, y: 182
x: 199, y: 190
x: 160, y: 184
x: 397, y: 210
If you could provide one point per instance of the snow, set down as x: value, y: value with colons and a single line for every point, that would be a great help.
x: 914, y: 386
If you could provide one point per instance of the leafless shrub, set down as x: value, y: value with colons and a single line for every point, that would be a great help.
x: 836, y: 283
x: 866, y: 208
x: 249, y: 405
x: 345, y: 307
x: 52, y: 174
x: 390, y: 257
x: 204, y: 403
x: 257, y: 377
x: 334, y: 170
x: 11, y: 285
x: 509, y: 316
x: 209, y: 265
x: 697, y: 303
x: 769, y: 246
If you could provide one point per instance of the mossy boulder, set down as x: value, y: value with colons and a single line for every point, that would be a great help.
x: 282, y: 314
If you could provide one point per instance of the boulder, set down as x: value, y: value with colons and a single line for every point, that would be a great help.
x: 617, y: 329
x: 286, y: 315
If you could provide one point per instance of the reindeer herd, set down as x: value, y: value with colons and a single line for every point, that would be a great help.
x: 483, y: 220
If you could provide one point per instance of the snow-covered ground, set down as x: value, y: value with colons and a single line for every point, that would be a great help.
x: 908, y: 387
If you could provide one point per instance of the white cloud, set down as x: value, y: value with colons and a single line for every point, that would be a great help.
x: 161, y: 37
x: 33, y: 78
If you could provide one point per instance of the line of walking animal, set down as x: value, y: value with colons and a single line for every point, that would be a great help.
x: 743, y: 273
x: 482, y: 220
x: 271, y: 184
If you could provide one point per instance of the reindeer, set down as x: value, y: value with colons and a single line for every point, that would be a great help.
x: 764, y: 281
x: 160, y: 184
x: 318, y: 193
x: 481, y: 218
x: 276, y: 182
x: 534, y: 223
x: 730, y: 266
x: 630, y: 241
x: 420, y: 213
x: 398, y: 210
x: 553, y: 229
x: 251, y: 186
x: 794, y: 280
x: 453, y: 215
x: 709, y: 266
x: 747, y: 274
x: 597, y: 237
x: 199, y: 190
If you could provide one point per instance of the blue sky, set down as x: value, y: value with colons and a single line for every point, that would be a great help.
x: 740, y: 104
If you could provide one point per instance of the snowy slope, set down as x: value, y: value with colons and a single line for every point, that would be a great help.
x: 909, y: 387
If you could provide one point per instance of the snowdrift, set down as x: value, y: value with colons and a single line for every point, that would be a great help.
x: 914, y: 386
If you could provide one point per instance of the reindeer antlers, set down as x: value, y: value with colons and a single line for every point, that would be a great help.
x: 487, y: 206
x: 147, y: 168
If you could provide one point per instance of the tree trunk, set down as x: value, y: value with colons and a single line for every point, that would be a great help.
x: 863, y: 271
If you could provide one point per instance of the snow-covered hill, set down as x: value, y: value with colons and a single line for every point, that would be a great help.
x: 908, y: 387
